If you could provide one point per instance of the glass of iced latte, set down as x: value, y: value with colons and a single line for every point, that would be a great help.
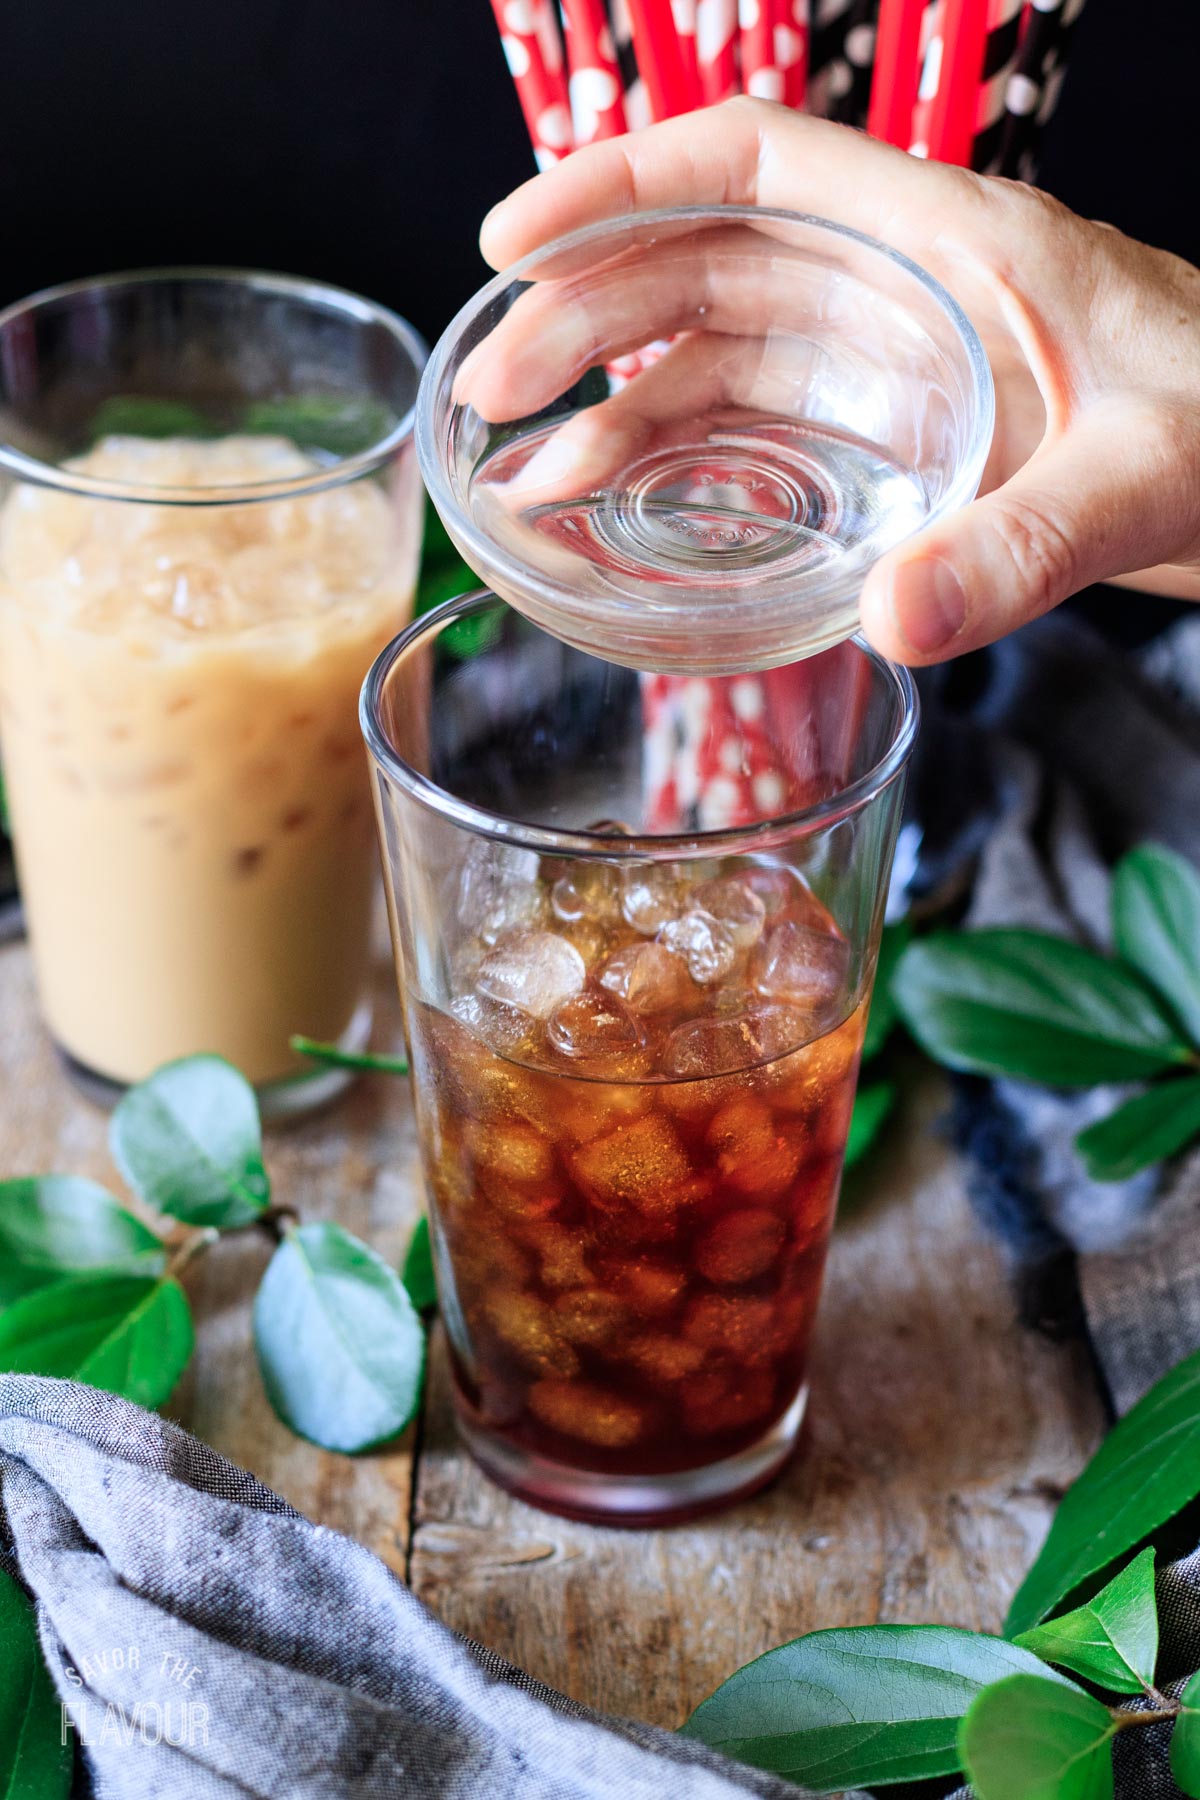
x: 209, y: 525
x: 634, y: 1037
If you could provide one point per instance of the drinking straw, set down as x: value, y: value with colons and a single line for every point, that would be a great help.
x: 594, y: 84
x: 1036, y: 81
x: 762, y: 74
x: 897, y: 71
x: 851, y: 100
x: 683, y: 16
x: 716, y: 49
x: 795, y: 70
x: 828, y: 71
x: 999, y: 62
x: 534, y: 54
x: 637, y: 101
x: 953, y: 112
x: 661, y: 59
x: 930, y: 63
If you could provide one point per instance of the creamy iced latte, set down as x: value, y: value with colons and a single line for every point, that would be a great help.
x: 178, y: 692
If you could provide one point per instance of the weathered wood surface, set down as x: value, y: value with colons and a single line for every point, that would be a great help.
x: 941, y: 1433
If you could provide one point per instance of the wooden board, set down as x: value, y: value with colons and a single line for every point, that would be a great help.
x: 941, y: 1434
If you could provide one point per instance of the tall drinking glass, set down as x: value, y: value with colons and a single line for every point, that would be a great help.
x: 209, y: 525
x: 634, y: 1041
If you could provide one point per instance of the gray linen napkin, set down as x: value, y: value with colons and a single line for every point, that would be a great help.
x: 283, y: 1659
x: 1091, y: 750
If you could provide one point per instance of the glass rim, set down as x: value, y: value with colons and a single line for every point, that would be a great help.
x: 430, y: 442
x: 323, y: 294
x: 659, y: 847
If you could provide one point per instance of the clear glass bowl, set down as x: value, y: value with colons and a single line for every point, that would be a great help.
x: 681, y: 439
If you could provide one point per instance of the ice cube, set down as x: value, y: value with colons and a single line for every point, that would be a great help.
x: 739, y: 1323
x: 784, y: 892
x: 532, y: 970
x: 561, y: 1256
x: 734, y: 902
x: 725, y: 1400
x: 498, y: 890
x: 740, y: 1246
x: 580, y: 1409
x: 705, y: 944
x: 652, y: 1287
x: 663, y: 1358
x: 716, y: 1046
x: 597, y: 1034
x: 803, y: 967
x: 822, y: 1073
x: 526, y: 1327
x: 643, y: 1165
x: 647, y: 977
x: 511, y: 1152
x: 505, y: 1029
x: 590, y: 1315
x: 757, y: 1155
x: 650, y: 897
x: 586, y: 891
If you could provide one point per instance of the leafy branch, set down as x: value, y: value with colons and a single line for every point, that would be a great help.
x: 91, y: 1291
x: 1009, y: 1002
x: 879, y: 1704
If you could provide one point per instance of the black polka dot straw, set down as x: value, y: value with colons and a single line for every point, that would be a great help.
x: 1033, y: 87
x: 999, y: 66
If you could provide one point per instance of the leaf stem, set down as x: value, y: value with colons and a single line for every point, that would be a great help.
x: 193, y: 1245
x: 1167, y: 1709
x: 334, y: 1057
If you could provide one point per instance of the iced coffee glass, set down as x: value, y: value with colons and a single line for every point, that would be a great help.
x: 634, y: 1045
x: 209, y: 526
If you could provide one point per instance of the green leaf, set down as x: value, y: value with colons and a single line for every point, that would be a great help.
x: 1151, y: 1126
x: 56, y: 1225
x: 340, y: 1345
x: 339, y: 424
x: 35, y: 1763
x: 189, y: 1141
x: 1147, y: 1468
x: 1026, y: 1739
x: 1185, y: 1740
x: 418, y: 1277
x: 1010, y: 1002
x: 129, y: 1334
x: 137, y: 415
x: 884, y: 1012
x: 872, y: 1104
x: 349, y: 1059
x: 1156, y: 923
x: 857, y: 1707
x: 1113, y: 1640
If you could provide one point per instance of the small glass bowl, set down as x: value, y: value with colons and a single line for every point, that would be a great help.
x: 680, y: 440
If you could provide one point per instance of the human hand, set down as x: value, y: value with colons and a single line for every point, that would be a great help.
x: 1094, y: 342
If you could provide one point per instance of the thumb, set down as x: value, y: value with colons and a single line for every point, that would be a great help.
x: 1102, y: 500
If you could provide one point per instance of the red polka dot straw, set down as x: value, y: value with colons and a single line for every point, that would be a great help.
x: 761, y: 74
x: 594, y: 85
x: 791, y: 51
x: 716, y: 49
x: 897, y: 71
x: 668, y: 66
x: 533, y: 50
x: 952, y: 113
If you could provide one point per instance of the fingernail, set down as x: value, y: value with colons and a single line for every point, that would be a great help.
x: 928, y: 604
x: 555, y: 461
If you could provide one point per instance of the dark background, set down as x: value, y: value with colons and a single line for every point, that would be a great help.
x: 361, y: 141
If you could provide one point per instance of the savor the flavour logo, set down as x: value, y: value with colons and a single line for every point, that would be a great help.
x: 181, y: 1719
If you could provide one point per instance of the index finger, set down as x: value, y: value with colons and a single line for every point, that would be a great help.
x: 745, y: 152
